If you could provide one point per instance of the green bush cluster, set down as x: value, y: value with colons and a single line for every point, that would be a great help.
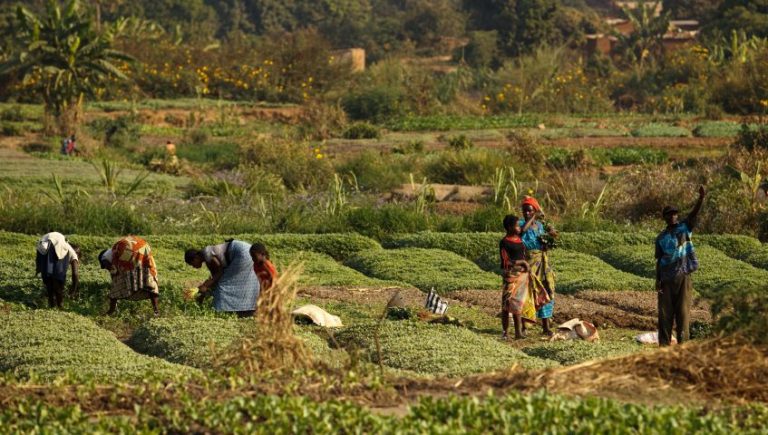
x: 575, y: 271
x: 199, y: 341
x: 454, y: 122
x: 716, y: 269
x: 660, y: 130
x: 717, y: 129
x: 424, y: 269
x: 575, y: 352
x: 323, y: 270
x: 439, y: 350
x: 361, y: 130
x: 473, y: 246
x: 53, y: 344
x: 516, y: 412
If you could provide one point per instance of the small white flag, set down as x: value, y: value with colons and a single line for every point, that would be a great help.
x: 435, y: 304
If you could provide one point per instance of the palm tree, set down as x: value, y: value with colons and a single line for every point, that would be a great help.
x: 63, y: 58
x: 646, y: 39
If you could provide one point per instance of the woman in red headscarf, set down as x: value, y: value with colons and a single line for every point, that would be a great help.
x: 537, y: 256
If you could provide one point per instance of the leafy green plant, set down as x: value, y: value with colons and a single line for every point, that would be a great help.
x: 442, y: 270
x: 52, y: 344
x: 434, y: 349
x: 362, y: 130
x: 460, y: 142
x: 575, y: 352
x: 660, y: 130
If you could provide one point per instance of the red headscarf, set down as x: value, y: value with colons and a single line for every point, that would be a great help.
x: 529, y: 200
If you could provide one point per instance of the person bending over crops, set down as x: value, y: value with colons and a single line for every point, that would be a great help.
x: 535, y: 236
x: 675, y: 261
x: 134, y: 275
x: 523, y: 291
x: 264, y: 269
x: 234, y: 286
x: 54, y: 256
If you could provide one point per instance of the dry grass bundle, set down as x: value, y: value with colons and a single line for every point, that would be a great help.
x: 722, y: 368
x: 273, y: 347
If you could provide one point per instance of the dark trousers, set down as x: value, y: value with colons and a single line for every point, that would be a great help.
x: 675, y: 307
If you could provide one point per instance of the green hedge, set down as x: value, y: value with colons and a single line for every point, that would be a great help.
x: 322, y: 270
x: 53, y: 344
x: 440, y: 350
x: 716, y: 268
x: 424, y: 269
x: 574, y: 352
x: 197, y: 341
x: 513, y: 413
x: 576, y: 271
x: 660, y: 130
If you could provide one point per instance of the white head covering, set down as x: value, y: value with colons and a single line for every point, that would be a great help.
x: 106, y: 256
x: 59, y: 244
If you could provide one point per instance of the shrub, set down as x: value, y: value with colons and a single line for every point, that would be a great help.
x: 473, y: 246
x: 375, y: 104
x: 322, y: 270
x: 752, y: 139
x: 460, y: 142
x: 631, y: 156
x: 575, y: 272
x: 575, y: 352
x: 715, y: 271
x: 377, y: 222
x: 11, y: 129
x: 53, y: 344
x: 660, y: 130
x: 362, y: 130
x: 223, y: 155
x: 122, y: 132
x: 298, y: 164
x: 442, y: 270
x: 716, y: 129
x: 198, y: 341
x: 375, y: 172
x: 481, y: 51
x: 13, y: 113
x: 439, y: 350
x: 594, y: 243
x: 735, y: 246
x: 469, y: 166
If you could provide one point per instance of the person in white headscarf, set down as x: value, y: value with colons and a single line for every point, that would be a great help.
x: 54, y: 256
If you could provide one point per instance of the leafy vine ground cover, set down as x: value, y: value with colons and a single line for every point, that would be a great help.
x: 595, y: 261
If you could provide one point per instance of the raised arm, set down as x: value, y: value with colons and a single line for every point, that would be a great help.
x: 693, y: 216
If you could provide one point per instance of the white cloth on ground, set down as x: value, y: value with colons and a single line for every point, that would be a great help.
x: 318, y: 316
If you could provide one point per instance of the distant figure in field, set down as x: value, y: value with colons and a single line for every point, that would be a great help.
x: 523, y: 292
x: 68, y: 146
x: 675, y: 261
x: 54, y: 256
x: 134, y: 274
x: 537, y: 256
x: 262, y: 266
x: 234, y: 284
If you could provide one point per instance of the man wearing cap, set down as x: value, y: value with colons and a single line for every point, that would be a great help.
x: 675, y: 261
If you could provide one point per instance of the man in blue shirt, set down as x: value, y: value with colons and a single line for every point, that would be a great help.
x: 675, y: 261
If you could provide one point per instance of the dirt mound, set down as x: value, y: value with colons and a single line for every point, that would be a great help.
x: 411, y: 297
x: 642, y: 303
x: 566, y: 307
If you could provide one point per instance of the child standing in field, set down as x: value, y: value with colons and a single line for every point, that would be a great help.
x: 521, y: 288
x: 263, y: 268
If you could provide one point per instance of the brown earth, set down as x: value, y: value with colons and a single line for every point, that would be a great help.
x: 629, y: 309
x: 182, y: 117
